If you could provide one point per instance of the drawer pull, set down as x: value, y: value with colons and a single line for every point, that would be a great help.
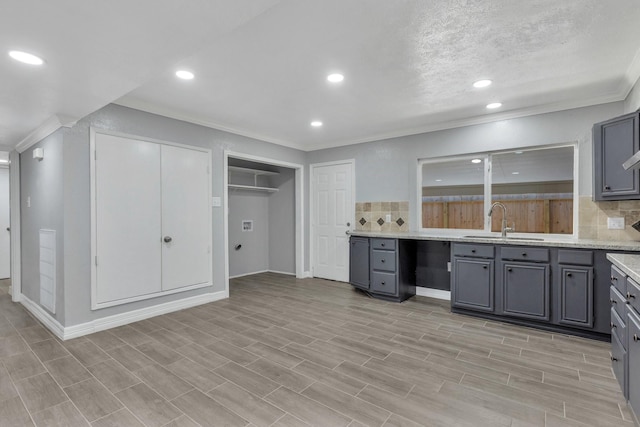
x: 613, y: 325
x: 630, y: 295
x: 382, y: 244
x: 382, y: 283
x: 612, y: 301
x: 635, y: 338
x: 473, y: 251
x: 614, y: 359
x: 524, y: 254
x: 382, y: 260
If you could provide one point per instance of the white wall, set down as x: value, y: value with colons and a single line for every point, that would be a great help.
x: 632, y: 103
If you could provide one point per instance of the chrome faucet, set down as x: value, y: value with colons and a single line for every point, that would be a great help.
x: 504, y: 229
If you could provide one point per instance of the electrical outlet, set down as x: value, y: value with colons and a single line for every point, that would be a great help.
x: 388, y: 218
x: 29, y: 202
x: 615, y: 223
x: 449, y: 267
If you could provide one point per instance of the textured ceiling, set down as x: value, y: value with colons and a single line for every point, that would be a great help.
x: 261, y: 66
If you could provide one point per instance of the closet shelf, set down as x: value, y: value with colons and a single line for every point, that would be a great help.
x: 253, y: 188
x: 252, y: 171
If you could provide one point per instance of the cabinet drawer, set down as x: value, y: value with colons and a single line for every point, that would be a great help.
x: 633, y: 294
x: 480, y: 251
x: 617, y: 301
x: 619, y: 362
x: 384, y: 283
x: 619, y: 280
x: 384, y: 244
x: 383, y: 260
x: 575, y: 257
x: 526, y: 254
x: 618, y: 327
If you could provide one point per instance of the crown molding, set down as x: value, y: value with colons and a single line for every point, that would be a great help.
x: 137, y: 104
x: 620, y: 95
x: 48, y: 127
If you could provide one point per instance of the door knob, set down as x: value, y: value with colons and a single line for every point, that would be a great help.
x: 348, y: 224
x: 167, y: 239
x: 8, y: 228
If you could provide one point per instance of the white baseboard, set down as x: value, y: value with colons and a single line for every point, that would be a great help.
x: 286, y: 273
x: 108, y: 322
x: 306, y: 275
x: 248, y: 274
x: 433, y: 293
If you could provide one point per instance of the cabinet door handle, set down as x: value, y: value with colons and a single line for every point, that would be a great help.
x: 473, y: 251
x: 612, y: 301
x: 635, y: 338
x: 568, y: 274
x: 614, y: 278
x: 630, y: 295
x: 382, y: 244
x: 167, y: 239
x: 382, y: 260
x: 613, y: 325
x: 614, y: 359
x: 484, y: 266
x: 509, y: 269
x: 607, y: 187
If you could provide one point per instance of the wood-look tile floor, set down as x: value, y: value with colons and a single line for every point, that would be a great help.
x: 287, y: 352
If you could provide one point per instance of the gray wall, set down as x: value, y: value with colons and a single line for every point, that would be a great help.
x: 282, y: 223
x: 77, y: 192
x: 42, y: 181
x: 253, y: 257
x: 387, y: 170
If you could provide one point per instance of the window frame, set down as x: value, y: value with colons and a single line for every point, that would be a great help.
x: 487, y: 157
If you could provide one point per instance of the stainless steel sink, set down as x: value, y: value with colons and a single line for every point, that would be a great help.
x: 532, y: 239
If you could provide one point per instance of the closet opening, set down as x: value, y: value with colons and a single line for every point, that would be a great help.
x: 5, y: 225
x: 264, y: 216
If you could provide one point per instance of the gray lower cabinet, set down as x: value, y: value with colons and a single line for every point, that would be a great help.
x: 525, y: 290
x: 614, y: 141
x: 525, y: 282
x: 631, y: 381
x: 359, y: 262
x: 472, y: 277
x: 575, y: 296
x: 386, y: 268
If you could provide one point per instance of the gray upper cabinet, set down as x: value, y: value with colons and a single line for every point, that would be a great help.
x: 614, y: 141
x: 359, y: 262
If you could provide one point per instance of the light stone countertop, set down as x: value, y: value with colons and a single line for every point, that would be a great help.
x: 629, y: 264
x: 614, y: 245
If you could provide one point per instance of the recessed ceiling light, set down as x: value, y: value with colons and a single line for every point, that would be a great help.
x: 518, y: 152
x: 494, y: 105
x: 316, y: 123
x: 515, y: 173
x: 438, y: 180
x: 482, y: 83
x: 4, y: 161
x: 184, y: 75
x: 335, y: 78
x: 25, y: 57
x: 476, y: 161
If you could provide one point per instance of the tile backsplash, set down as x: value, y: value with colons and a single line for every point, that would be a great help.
x: 592, y: 219
x: 371, y: 216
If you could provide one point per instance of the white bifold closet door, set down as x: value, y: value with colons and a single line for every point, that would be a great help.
x: 152, y: 225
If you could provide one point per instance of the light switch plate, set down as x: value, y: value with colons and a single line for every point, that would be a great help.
x: 388, y: 219
x: 216, y: 202
x: 615, y: 223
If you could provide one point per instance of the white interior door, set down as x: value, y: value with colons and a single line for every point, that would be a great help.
x: 333, y: 211
x: 185, y: 217
x: 128, y: 228
x: 5, y: 254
